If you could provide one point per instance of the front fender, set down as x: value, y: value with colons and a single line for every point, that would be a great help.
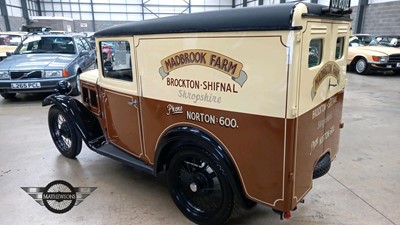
x: 85, y: 122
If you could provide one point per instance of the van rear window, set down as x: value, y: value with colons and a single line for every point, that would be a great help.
x: 116, y: 60
x: 315, y: 52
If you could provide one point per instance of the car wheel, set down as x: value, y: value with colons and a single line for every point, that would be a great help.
x: 361, y: 66
x: 197, y: 183
x: 77, y: 90
x: 8, y: 95
x: 66, y: 138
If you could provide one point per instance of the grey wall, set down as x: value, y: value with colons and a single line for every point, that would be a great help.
x: 78, y: 28
x: 2, y: 24
x: 104, y: 24
x: 380, y: 19
x: 54, y: 24
x: 16, y: 23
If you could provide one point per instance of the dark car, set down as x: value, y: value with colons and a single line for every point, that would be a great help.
x: 41, y: 61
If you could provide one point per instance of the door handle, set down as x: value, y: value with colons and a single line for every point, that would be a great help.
x: 331, y: 84
x: 133, y: 103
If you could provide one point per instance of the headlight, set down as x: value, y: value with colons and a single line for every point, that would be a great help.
x: 381, y: 59
x: 52, y: 73
x: 4, y: 75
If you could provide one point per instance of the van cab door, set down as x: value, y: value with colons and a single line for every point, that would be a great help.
x: 320, y: 97
x: 119, y: 91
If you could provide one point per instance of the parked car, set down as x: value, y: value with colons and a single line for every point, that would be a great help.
x: 9, y: 41
x: 41, y: 61
x: 363, y: 59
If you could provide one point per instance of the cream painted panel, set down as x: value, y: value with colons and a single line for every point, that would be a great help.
x: 309, y: 99
x: 90, y: 76
x: 264, y: 60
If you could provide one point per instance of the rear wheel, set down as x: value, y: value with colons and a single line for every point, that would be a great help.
x: 8, y: 95
x: 66, y: 138
x: 361, y: 66
x: 198, y: 184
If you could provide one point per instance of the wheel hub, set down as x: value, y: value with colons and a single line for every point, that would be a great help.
x: 64, y: 130
x: 193, y: 187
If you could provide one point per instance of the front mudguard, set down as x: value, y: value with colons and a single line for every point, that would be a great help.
x: 85, y: 122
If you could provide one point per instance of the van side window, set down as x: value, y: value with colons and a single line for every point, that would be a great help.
x: 116, y: 60
x: 339, y: 47
x: 315, y: 52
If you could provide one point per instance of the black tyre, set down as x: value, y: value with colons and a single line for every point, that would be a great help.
x: 77, y: 89
x: 198, y: 184
x: 8, y: 95
x: 361, y: 66
x: 397, y: 72
x: 322, y: 167
x: 64, y: 134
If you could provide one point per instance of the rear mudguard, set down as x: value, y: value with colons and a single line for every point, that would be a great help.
x: 85, y: 122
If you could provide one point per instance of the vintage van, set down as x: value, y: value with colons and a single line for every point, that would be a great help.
x: 237, y: 107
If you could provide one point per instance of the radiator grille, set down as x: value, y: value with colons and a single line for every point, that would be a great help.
x: 16, y: 75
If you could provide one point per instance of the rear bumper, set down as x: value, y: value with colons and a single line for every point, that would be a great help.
x: 46, y: 85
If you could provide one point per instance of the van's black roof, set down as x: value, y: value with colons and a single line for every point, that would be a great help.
x: 271, y: 17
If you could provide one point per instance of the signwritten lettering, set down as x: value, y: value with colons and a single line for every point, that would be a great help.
x: 206, y: 58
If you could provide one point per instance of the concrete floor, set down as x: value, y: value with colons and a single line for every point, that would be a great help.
x: 361, y: 188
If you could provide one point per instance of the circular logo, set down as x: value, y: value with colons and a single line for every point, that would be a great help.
x: 59, y: 196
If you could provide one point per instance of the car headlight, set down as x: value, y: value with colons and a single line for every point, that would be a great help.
x: 52, y: 73
x: 4, y: 75
x: 380, y: 59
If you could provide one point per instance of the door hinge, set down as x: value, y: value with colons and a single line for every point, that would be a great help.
x: 298, y: 37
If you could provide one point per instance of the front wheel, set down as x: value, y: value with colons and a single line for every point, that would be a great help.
x: 8, y: 95
x: 361, y: 66
x: 198, y: 184
x: 66, y: 138
x: 76, y: 91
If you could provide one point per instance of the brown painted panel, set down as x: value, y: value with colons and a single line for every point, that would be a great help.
x: 333, y: 121
x: 122, y: 121
x: 318, y: 133
x: 255, y: 143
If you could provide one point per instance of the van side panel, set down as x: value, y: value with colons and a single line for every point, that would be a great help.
x: 258, y: 156
x: 230, y: 85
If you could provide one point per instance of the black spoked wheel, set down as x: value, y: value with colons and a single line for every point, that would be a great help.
x: 64, y: 134
x: 198, y: 185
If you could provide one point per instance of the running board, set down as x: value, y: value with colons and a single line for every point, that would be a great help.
x: 113, y: 152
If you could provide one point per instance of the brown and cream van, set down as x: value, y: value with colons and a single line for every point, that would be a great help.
x: 236, y: 107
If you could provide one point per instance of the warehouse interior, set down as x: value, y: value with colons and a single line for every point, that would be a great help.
x: 94, y: 15
x: 361, y: 188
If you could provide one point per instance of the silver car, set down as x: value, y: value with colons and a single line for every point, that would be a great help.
x: 41, y: 61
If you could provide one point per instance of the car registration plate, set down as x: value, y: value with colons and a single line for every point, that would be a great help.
x: 398, y: 65
x: 25, y: 85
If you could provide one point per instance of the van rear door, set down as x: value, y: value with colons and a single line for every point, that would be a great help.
x: 321, y: 78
